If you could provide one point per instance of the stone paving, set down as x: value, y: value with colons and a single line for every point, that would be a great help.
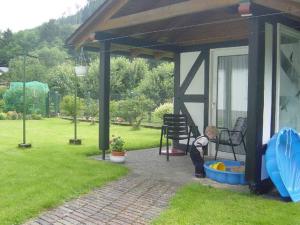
x: 134, y: 199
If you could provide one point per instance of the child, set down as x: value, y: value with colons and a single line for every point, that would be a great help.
x: 197, y: 147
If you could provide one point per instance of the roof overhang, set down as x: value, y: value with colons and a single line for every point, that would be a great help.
x: 161, y: 27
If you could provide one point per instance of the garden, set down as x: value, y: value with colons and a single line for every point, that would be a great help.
x: 53, y: 171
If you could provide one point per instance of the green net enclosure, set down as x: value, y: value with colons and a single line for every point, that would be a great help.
x: 36, y: 97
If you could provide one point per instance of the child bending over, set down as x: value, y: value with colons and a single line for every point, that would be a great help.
x: 201, y: 142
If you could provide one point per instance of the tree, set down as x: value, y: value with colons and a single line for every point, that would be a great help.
x: 158, y: 84
x: 126, y: 76
x: 90, y: 83
x: 61, y: 79
x: 49, y: 31
x: 91, y: 109
x: 51, y: 56
x: 34, y: 70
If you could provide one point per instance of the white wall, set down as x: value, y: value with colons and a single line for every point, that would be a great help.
x: 196, y: 87
x: 268, y: 83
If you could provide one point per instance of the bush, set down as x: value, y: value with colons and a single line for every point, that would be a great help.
x: 3, y: 116
x: 165, y: 108
x: 134, y: 110
x: 68, y: 105
x: 12, y: 115
x: 91, y: 110
x: 36, y: 116
x: 2, y: 105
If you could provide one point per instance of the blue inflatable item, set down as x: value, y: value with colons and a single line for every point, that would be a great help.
x: 272, y: 167
x: 288, y: 161
x: 228, y: 177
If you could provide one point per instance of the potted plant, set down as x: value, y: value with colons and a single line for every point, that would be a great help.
x: 118, y: 153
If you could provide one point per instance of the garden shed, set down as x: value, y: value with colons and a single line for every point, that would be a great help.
x: 232, y: 58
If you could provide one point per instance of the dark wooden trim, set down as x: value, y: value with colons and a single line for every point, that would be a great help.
x: 274, y: 79
x: 202, y: 47
x: 144, y: 56
x: 206, y: 54
x: 104, y: 90
x: 188, y: 115
x: 255, y: 101
x: 193, y: 98
x: 177, y: 99
x: 164, y: 12
x: 136, y: 42
x: 191, y: 74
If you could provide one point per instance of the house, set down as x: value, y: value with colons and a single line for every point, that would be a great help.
x: 232, y: 58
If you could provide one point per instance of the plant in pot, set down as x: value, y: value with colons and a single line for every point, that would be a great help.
x: 118, y: 153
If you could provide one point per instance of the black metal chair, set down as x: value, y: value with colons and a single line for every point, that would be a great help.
x: 234, y: 137
x: 175, y: 127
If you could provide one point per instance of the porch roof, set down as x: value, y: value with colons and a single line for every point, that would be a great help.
x: 160, y: 27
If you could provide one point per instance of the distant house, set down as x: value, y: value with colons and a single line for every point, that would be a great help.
x: 3, y: 70
x: 232, y: 58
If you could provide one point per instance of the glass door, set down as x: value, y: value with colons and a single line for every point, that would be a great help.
x: 232, y: 90
x: 288, y: 79
x: 229, y: 88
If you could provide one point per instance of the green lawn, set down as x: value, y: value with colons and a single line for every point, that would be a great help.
x: 53, y: 171
x: 196, y: 204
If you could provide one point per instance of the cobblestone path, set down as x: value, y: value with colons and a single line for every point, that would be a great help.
x: 131, y: 200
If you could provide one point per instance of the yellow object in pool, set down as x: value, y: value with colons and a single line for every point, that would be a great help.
x: 218, y: 166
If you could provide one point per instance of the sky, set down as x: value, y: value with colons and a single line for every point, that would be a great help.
x: 25, y: 14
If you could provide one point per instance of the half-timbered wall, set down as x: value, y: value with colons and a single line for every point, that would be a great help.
x: 191, y: 87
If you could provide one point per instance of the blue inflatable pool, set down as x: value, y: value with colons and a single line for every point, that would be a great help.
x: 226, y: 176
x: 272, y: 167
x: 283, y: 163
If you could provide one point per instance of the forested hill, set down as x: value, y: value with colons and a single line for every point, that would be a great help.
x: 49, y: 35
x: 82, y: 14
x: 137, y: 86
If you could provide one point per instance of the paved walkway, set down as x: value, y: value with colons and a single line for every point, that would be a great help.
x: 134, y: 199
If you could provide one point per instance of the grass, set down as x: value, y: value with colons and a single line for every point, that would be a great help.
x: 54, y: 171
x: 196, y: 204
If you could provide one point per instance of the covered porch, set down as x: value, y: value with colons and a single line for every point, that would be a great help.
x: 197, y: 36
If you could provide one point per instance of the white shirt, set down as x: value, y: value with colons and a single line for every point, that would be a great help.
x: 200, y: 142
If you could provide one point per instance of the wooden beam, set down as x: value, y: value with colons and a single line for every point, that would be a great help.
x: 288, y: 6
x: 162, y: 13
x: 84, y: 32
x: 135, y: 42
x: 208, y: 34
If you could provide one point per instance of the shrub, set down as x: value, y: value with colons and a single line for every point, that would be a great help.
x: 165, y: 108
x: 3, y: 116
x: 2, y: 105
x: 12, y: 115
x: 91, y: 110
x: 68, y: 105
x: 36, y: 116
x: 134, y: 110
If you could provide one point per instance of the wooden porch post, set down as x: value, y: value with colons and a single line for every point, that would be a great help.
x: 177, y: 83
x: 104, y: 94
x: 255, y: 101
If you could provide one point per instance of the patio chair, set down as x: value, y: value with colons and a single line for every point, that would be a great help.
x: 234, y: 137
x: 175, y: 127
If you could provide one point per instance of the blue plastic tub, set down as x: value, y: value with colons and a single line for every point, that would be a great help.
x: 227, y: 177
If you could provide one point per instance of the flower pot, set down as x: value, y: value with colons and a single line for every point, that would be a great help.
x: 117, y: 157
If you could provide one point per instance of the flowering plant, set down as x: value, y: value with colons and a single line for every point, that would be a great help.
x: 117, y: 144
